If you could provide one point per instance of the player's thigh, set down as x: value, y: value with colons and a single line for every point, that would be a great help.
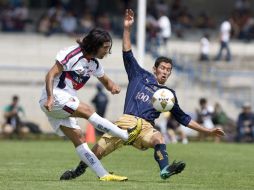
x: 83, y: 111
x: 143, y: 141
x: 108, y: 143
x: 127, y: 121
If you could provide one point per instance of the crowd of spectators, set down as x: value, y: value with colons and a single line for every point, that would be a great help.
x: 239, y: 129
x: 78, y: 17
x: 14, y: 17
x: 59, y: 19
x: 242, y: 20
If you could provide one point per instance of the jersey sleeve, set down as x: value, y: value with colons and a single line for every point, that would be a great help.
x: 67, y: 57
x: 131, y: 65
x: 99, y: 72
x: 179, y: 114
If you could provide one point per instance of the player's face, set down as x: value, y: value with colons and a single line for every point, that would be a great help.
x: 103, y: 50
x: 162, y: 72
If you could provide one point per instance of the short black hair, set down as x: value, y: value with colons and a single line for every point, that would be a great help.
x: 15, y: 98
x: 206, y: 35
x: 162, y: 59
x: 91, y: 43
x: 202, y: 101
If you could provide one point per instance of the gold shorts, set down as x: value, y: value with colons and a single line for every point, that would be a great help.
x: 142, y: 142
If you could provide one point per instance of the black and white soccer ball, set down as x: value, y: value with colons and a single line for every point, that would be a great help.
x: 163, y: 100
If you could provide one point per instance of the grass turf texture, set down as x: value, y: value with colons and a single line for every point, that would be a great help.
x: 29, y: 165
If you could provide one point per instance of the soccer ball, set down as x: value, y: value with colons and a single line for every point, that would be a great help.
x: 163, y: 100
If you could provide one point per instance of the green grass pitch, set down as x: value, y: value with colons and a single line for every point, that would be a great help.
x: 32, y: 165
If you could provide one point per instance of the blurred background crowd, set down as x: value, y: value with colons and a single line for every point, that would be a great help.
x: 195, y: 33
x: 80, y: 16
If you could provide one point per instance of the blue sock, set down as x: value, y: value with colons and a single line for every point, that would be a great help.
x: 161, y: 155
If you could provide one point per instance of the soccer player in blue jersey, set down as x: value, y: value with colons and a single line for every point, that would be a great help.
x: 138, y: 110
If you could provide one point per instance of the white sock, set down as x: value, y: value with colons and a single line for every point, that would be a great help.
x: 87, y: 156
x: 107, y: 127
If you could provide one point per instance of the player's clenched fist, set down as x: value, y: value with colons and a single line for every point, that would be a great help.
x: 115, y: 89
x: 48, y: 104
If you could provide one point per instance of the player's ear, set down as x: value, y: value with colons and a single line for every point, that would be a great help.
x: 154, y: 70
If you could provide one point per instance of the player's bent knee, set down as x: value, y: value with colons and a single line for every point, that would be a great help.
x: 24, y: 130
x: 157, y: 139
x: 84, y: 111
x: 75, y: 135
x: 8, y: 129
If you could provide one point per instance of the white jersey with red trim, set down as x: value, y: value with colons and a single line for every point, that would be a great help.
x: 77, y: 70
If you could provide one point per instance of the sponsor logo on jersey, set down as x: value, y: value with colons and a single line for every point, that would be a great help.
x: 142, y: 96
x: 78, y: 79
x: 72, y: 99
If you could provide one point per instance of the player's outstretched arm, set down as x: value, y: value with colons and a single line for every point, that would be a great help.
x: 214, y: 132
x: 109, y: 84
x: 128, y: 21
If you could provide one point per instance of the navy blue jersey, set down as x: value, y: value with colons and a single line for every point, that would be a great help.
x: 141, y: 87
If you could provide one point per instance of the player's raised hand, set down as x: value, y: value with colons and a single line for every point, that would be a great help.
x: 49, y: 103
x: 128, y: 18
x: 217, y: 132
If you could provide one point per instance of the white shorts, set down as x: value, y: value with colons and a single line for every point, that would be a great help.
x: 64, y: 105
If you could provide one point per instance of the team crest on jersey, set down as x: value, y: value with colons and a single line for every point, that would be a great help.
x: 80, y: 71
x: 89, y: 72
x: 72, y: 99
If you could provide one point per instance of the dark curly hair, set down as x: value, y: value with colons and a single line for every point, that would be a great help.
x: 91, y: 43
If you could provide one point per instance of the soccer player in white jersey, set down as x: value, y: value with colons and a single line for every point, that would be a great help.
x: 73, y: 68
